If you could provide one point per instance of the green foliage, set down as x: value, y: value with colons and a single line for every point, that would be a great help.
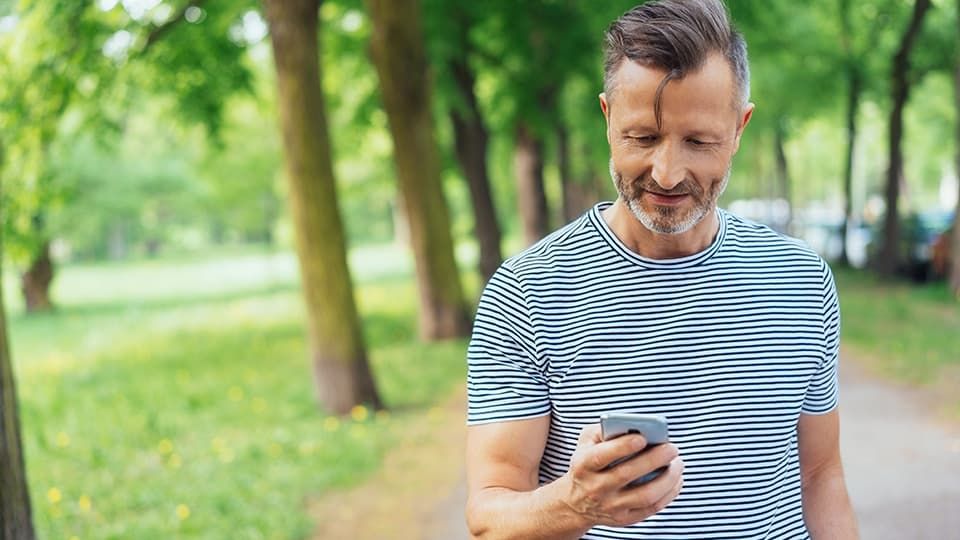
x: 358, y: 126
x: 93, y: 59
x: 241, y: 176
x: 123, y: 428
x: 77, y: 76
x: 134, y: 197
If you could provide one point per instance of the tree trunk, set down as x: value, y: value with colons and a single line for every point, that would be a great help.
x: 531, y: 197
x: 397, y: 48
x: 889, y: 261
x: 570, y: 192
x: 853, y: 105
x: 35, y: 282
x: 783, y: 173
x: 336, y: 341
x: 470, y: 138
x: 954, y: 251
x: 15, y: 515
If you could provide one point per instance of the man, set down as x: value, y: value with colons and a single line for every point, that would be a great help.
x: 660, y: 303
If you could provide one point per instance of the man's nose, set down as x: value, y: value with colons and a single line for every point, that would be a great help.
x: 667, y: 169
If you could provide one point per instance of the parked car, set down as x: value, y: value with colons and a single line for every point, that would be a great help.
x: 942, y: 251
x: 922, y: 234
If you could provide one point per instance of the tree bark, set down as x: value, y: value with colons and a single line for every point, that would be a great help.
x: 15, y: 514
x: 783, y: 172
x: 889, y: 261
x: 531, y: 196
x: 397, y: 49
x: 854, y: 88
x: 572, y: 196
x: 471, y: 139
x: 35, y: 282
x: 954, y: 251
x: 337, y: 349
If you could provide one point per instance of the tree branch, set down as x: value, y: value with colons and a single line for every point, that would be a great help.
x: 157, y: 33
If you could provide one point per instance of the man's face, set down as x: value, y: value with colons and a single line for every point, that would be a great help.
x: 671, y: 177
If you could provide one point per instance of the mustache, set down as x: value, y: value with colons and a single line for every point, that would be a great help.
x: 685, y: 187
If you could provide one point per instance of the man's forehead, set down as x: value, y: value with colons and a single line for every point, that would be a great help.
x: 708, y: 90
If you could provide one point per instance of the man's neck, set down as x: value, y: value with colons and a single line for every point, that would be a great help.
x: 658, y: 246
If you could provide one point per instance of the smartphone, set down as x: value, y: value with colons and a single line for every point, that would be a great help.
x: 653, y: 427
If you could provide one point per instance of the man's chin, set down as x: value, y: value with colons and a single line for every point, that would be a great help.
x: 664, y: 220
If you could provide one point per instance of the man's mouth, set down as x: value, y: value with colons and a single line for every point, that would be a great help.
x: 666, y: 200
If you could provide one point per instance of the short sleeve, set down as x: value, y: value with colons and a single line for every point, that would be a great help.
x: 823, y: 391
x: 505, y: 380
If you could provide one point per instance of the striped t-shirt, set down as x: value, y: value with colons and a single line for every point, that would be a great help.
x: 731, y: 344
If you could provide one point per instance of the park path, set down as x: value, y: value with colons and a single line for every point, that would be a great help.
x: 902, y: 467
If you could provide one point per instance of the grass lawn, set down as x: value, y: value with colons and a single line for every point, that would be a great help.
x: 175, y: 400
x: 907, y: 332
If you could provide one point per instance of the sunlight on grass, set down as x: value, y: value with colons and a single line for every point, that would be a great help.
x: 910, y: 332
x: 148, y: 418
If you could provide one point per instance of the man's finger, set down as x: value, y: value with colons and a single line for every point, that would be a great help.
x: 652, y: 459
x: 604, y: 453
x: 590, y: 434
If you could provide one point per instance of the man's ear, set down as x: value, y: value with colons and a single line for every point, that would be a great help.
x: 605, y: 107
x: 742, y: 124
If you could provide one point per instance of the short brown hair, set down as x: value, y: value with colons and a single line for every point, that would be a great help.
x: 676, y: 36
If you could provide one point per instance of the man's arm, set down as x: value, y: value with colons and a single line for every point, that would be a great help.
x: 826, y: 505
x: 504, y: 500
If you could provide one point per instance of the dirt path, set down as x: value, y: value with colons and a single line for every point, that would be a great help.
x: 417, y: 493
x: 902, y: 466
x: 902, y: 463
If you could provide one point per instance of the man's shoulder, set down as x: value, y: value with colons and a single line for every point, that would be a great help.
x: 761, y: 240
x: 570, y: 243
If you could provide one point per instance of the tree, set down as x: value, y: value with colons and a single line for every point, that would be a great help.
x: 397, y: 49
x: 15, y: 520
x: 954, y: 251
x: 900, y: 89
x: 336, y: 340
x: 453, y: 23
x: 89, y: 60
x: 855, y: 60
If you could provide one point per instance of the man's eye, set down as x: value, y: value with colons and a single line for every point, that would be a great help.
x: 643, y: 139
x: 698, y: 142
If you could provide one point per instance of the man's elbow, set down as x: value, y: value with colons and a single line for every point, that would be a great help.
x: 812, y: 475
x: 477, y: 522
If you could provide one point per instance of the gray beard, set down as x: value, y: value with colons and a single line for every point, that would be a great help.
x: 649, y: 220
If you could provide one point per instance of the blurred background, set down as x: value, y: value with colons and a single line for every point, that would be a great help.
x: 242, y: 241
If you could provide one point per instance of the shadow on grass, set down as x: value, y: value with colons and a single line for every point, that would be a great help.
x: 106, y: 309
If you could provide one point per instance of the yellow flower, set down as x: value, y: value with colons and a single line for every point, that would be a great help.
x: 175, y: 461
x: 259, y: 404
x: 359, y: 413
x: 54, y: 495
x: 226, y: 455
x: 235, y: 393
x: 63, y: 440
x: 331, y: 423
x: 274, y: 450
x: 165, y: 446
x: 84, y: 503
x: 183, y: 511
x: 217, y: 443
x: 74, y: 538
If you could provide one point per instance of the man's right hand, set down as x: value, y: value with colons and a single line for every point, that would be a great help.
x: 598, y: 494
